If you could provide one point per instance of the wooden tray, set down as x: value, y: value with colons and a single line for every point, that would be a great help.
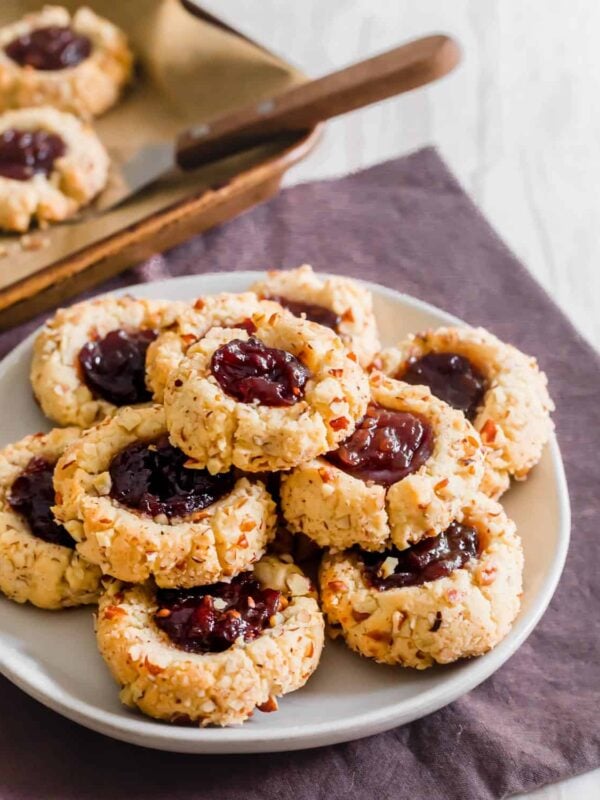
x: 192, y: 68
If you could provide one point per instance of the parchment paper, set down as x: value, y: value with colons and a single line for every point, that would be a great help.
x: 189, y: 71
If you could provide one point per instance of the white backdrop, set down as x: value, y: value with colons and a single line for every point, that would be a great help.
x: 518, y: 122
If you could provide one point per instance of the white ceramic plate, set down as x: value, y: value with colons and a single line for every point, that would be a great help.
x: 53, y: 657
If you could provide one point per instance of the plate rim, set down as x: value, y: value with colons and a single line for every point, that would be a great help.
x: 241, y: 739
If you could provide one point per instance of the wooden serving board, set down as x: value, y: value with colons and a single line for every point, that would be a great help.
x: 192, y: 68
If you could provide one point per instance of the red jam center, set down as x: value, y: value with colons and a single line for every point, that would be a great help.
x: 114, y: 367
x: 51, y: 48
x: 246, y: 325
x: 249, y: 371
x: 450, y: 377
x: 430, y: 559
x: 24, y: 153
x: 32, y: 495
x: 151, y: 477
x: 385, y: 447
x: 312, y: 311
x: 209, y: 619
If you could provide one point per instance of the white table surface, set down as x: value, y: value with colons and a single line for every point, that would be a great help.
x: 518, y: 122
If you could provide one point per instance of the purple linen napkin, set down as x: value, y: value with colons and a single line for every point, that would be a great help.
x: 406, y: 224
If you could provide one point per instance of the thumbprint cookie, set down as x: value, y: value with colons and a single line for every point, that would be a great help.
x: 77, y: 63
x: 452, y: 596
x: 226, y: 310
x: 51, y: 165
x: 136, y: 508
x: 500, y: 390
x: 90, y: 358
x: 338, y: 303
x: 211, y: 655
x: 401, y: 476
x: 264, y: 401
x: 38, y: 560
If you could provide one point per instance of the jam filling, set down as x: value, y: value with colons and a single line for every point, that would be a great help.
x: 209, y: 619
x: 23, y: 153
x: 151, y: 477
x: 114, y: 367
x: 451, y: 377
x: 312, y: 311
x: 32, y: 495
x: 385, y: 447
x: 51, y: 48
x: 430, y: 559
x: 246, y: 325
x: 249, y: 371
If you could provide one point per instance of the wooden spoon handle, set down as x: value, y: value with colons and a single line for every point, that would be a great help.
x: 302, y: 107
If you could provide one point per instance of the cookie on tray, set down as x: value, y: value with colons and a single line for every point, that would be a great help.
x: 501, y: 391
x: 89, y: 359
x: 264, y: 401
x: 211, y: 655
x: 38, y: 560
x: 136, y: 509
x: 454, y: 596
x: 51, y: 164
x: 77, y: 63
x: 225, y: 310
x: 338, y: 303
x: 401, y: 476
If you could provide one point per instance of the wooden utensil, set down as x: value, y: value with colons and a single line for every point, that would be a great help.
x: 302, y: 107
x: 201, y: 68
x: 297, y: 109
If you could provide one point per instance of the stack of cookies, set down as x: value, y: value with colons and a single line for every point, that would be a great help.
x: 57, y: 70
x: 205, y: 449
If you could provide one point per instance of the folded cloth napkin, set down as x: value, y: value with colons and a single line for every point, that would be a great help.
x: 408, y: 225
